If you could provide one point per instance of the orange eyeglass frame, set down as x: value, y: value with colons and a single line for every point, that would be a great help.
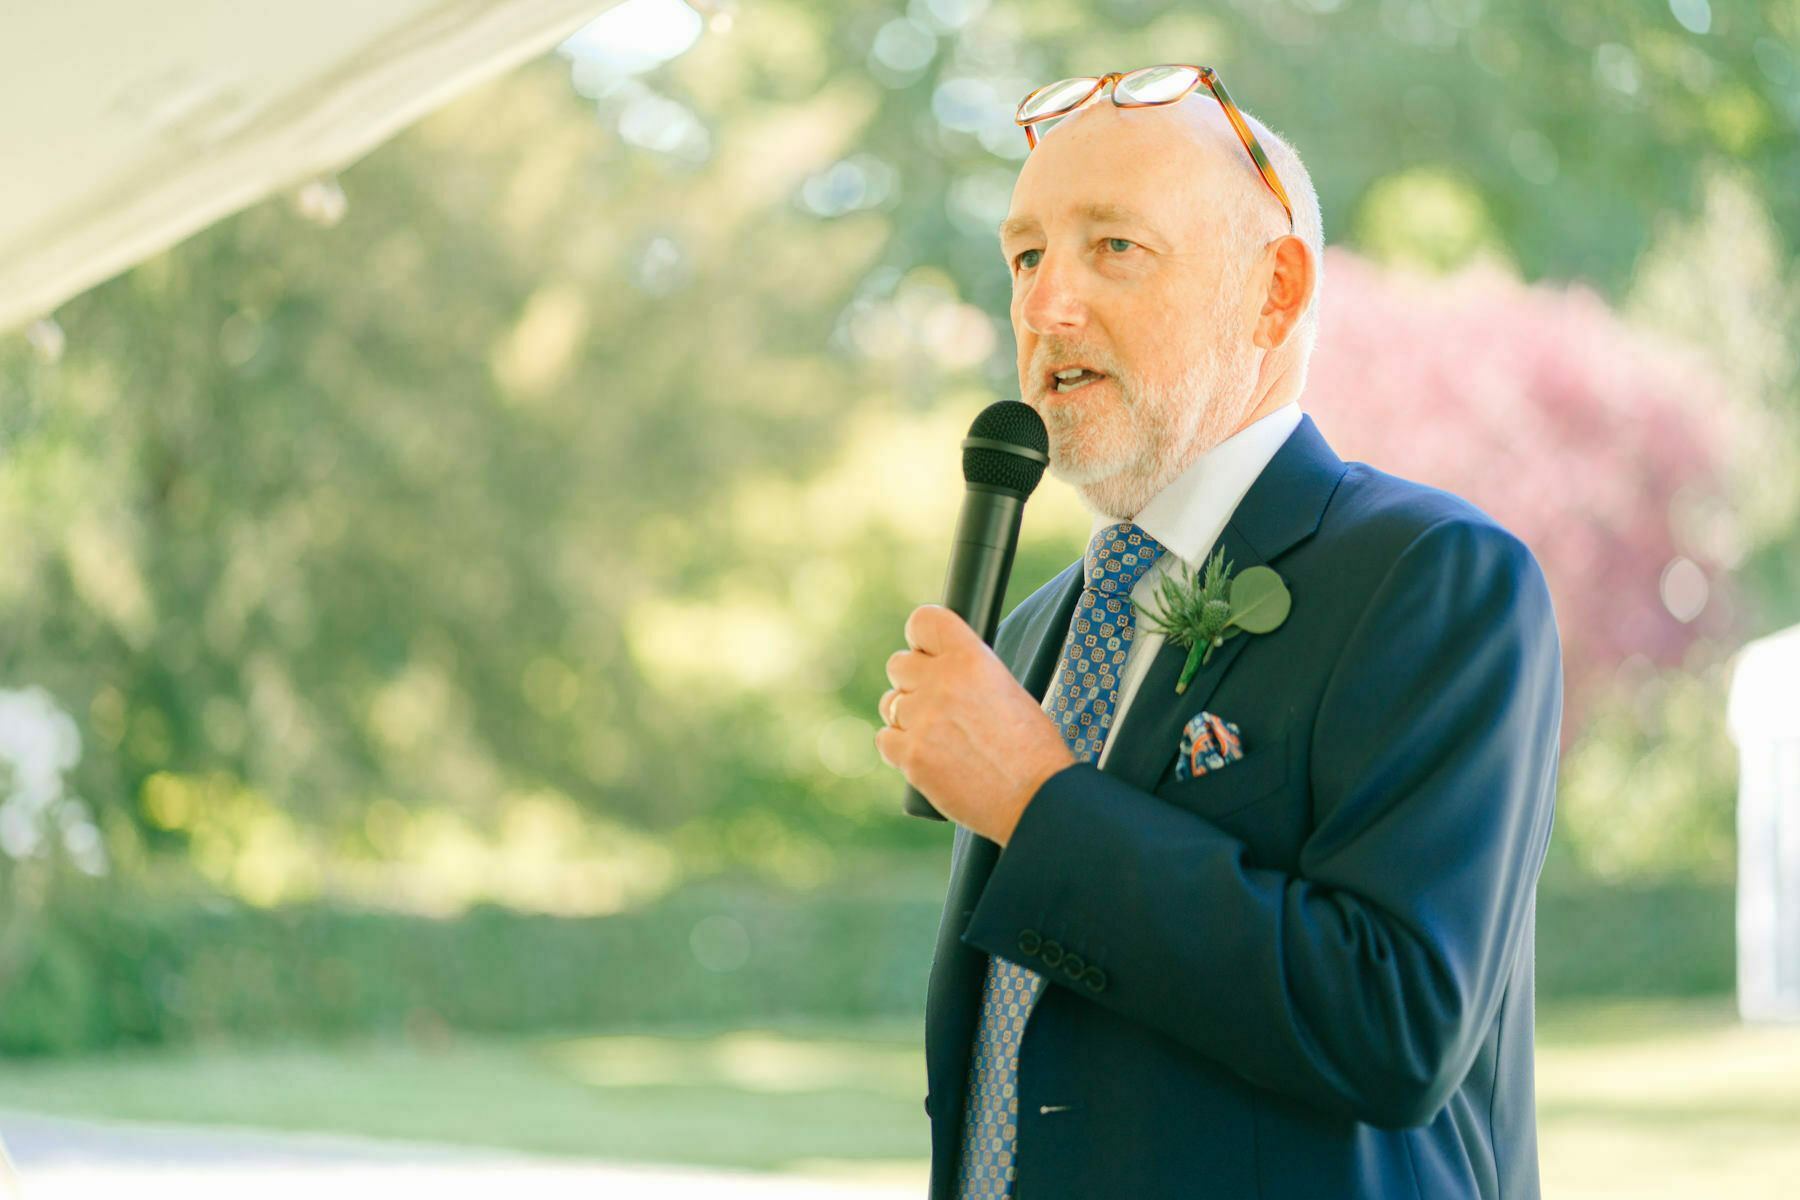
x: 1202, y: 75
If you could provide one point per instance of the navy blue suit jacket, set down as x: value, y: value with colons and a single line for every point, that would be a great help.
x: 1307, y: 974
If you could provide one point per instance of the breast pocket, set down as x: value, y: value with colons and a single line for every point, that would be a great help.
x: 1225, y: 790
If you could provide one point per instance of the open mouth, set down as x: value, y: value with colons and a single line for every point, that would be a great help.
x: 1070, y: 378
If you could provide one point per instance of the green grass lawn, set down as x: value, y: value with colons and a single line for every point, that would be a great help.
x: 1646, y: 1099
x: 817, y: 1097
x: 1667, y: 1099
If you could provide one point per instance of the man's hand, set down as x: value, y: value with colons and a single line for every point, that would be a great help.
x: 967, y: 736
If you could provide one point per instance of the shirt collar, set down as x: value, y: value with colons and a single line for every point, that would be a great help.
x: 1188, y: 515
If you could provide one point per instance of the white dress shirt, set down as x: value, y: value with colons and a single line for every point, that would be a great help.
x: 1187, y: 517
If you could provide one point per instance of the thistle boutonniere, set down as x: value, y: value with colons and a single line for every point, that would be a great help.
x: 1202, y: 611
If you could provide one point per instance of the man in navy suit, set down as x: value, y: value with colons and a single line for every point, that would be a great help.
x: 1301, y: 967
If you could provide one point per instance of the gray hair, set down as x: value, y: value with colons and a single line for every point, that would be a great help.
x: 1254, y: 219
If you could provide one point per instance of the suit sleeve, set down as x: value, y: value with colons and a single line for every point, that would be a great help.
x: 1363, y: 981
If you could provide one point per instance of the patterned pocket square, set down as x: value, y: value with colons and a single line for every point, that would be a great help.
x: 1206, y: 745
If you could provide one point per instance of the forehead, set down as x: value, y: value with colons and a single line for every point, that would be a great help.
x: 1109, y: 163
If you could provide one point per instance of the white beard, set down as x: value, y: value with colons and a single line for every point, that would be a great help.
x: 1117, y: 462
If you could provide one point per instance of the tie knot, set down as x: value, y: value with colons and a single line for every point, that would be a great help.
x: 1118, y: 556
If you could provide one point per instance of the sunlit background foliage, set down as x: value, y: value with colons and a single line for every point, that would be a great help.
x: 523, y: 518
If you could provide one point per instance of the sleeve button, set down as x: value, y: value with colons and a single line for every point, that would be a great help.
x: 1073, y: 966
x: 1052, y: 954
x: 1095, y: 979
x: 1029, y: 942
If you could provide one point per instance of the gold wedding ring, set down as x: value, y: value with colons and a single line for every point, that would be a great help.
x: 894, y: 713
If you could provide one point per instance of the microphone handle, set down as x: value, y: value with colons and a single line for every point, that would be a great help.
x: 981, y: 559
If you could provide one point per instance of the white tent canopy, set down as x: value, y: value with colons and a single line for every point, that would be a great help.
x: 131, y: 125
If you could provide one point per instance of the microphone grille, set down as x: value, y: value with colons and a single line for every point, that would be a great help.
x: 1014, y: 422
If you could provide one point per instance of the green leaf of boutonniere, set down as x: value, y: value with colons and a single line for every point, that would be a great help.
x: 1259, y: 600
x: 1207, y: 607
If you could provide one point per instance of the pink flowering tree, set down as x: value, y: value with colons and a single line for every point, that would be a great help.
x: 1580, y: 434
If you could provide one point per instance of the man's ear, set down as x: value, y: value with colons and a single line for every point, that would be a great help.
x: 1291, y: 273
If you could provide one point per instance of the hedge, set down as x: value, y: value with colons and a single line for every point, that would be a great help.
x: 106, y: 974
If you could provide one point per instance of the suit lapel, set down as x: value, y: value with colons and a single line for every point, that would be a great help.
x: 1281, y: 509
x: 1150, y: 735
x: 1033, y: 655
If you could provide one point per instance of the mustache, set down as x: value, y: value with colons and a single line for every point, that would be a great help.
x: 1049, y: 352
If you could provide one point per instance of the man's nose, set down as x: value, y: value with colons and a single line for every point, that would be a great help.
x: 1053, y: 301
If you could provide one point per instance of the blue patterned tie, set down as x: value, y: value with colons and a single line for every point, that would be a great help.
x: 1081, y: 700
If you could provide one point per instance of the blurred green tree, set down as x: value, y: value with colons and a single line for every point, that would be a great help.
x: 590, y: 462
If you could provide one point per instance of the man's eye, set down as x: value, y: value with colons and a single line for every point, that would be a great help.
x: 1119, y: 245
x: 1027, y: 259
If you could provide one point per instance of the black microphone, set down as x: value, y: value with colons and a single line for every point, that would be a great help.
x: 1003, y: 457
